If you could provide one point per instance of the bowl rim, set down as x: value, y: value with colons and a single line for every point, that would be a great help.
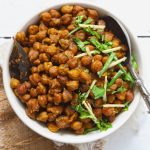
x: 50, y: 135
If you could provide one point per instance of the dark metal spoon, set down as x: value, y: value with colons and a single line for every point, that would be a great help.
x: 122, y: 34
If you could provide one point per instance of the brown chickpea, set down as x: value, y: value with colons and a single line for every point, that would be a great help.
x: 97, y: 57
x: 43, y: 27
x: 52, y: 127
x: 80, y: 131
x: 56, y: 110
x: 57, y: 98
x: 72, y: 63
x: 14, y: 83
x: 30, y: 114
x: 121, y: 96
x: 43, y: 48
x: 74, y: 74
x: 66, y: 9
x: 69, y: 111
x: 73, y: 117
x: 71, y: 27
x: 66, y: 19
x: 43, y: 57
x: 81, y: 35
x: 36, y: 46
x: 124, y: 47
x: 54, y: 13
x: 98, y: 103
x: 40, y: 35
x: 77, y: 9
x: 34, y: 78
x: 64, y: 34
x: 76, y: 125
x: 25, y: 98
x: 64, y: 43
x: 52, y: 117
x: 21, y: 36
x: 41, y: 89
x: 108, y: 36
x: 52, y: 31
x: 33, y: 55
x: 33, y: 92
x: 32, y: 39
x: 69, y: 54
x: 119, y: 54
x: 54, y: 22
x: 52, y: 50
x: 45, y: 16
x: 97, y: 112
x: 62, y: 79
x: 53, y: 71
x: 86, y: 60
x: 108, y: 111
x: 92, y: 14
x: 63, y: 122
x: 46, y: 41
x: 96, y: 66
x: 62, y: 70
x: 26, y: 49
x: 43, y: 116
x: 88, y: 125
x: 33, y: 29
x: 113, y: 87
x: 129, y: 95
x: 119, y: 82
x: 54, y: 38
x: 49, y: 98
x: 73, y: 48
x: 47, y: 66
x: 67, y: 96
x: 40, y: 68
x: 72, y: 85
x: 42, y: 100
x: 91, y: 47
x: 104, y: 59
x: 55, y: 83
x: 111, y: 98
x: 116, y: 42
x: 83, y: 13
x: 45, y: 79
x: 22, y: 88
x: 32, y: 105
x: 85, y: 77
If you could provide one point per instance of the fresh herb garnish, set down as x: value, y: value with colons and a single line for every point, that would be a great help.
x: 92, y: 32
x: 118, y: 74
x: 106, y: 65
x: 119, y: 90
x: 98, y: 92
x: 126, y: 106
x: 78, y: 21
x: 81, y: 44
x: 134, y: 62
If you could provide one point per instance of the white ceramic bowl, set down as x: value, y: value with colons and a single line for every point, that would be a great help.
x: 64, y: 137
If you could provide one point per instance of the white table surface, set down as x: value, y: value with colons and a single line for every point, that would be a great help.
x: 135, y: 134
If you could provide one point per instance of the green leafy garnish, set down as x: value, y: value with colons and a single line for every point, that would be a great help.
x: 98, y: 92
x: 119, y: 90
x: 81, y: 97
x: 81, y: 44
x: 92, y: 32
x: 118, y: 74
x: 78, y: 21
x: 104, y: 125
x: 106, y: 65
x: 126, y: 106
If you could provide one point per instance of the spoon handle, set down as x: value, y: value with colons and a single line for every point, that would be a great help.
x: 144, y: 91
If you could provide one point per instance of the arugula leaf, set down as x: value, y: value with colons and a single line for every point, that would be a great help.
x: 134, y: 62
x: 81, y: 44
x: 98, y: 92
x: 119, y: 90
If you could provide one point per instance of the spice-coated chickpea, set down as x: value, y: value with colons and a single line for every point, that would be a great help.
x: 42, y: 27
x: 33, y: 92
x: 52, y: 50
x: 96, y: 66
x: 108, y: 111
x: 34, y: 78
x: 81, y: 35
x: 42, y: 100
x: 74, y: 74
x: 43, y: 116
x: 53, y: 71
x: 63, y: 122
x: 72, y: 85
x: 14, y: 83
x: 54, y: 13
x: 33, y: 55
x: 32, y: 105
x: 40, y: 35
x: 129, y: 95
x: 66, y: 19
x: 54, y: 22
x: 21, y: 36
x: 33, y: 29
x: 66, y: 9
x: 92, y: 14
x: 76, y: 125
x: 67, y: 96
x: 52, y: 127
x: 108, y: 36
x: 45, y: 16
x: 72, y: 63
x: 57, y: 98
x: 86, y: 60
x: 47, y: 66
x: 77, y: 9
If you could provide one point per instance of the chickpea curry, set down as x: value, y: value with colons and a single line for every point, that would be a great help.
x: 78, y: 79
